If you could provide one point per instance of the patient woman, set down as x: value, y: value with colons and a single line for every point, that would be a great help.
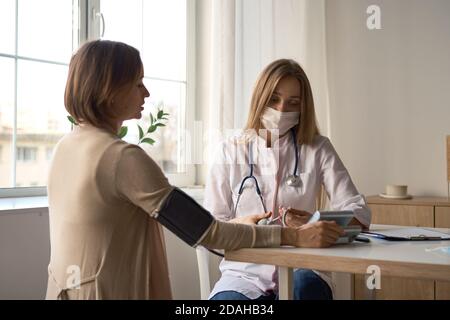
x: 107, y: 198
x: 290, y: 161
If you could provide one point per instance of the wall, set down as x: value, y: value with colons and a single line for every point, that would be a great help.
x: 390, y: 92
x: 24, y: 255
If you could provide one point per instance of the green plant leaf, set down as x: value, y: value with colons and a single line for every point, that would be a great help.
x: 122, y: 132
x: 152, y: 128
x: 72, y: 120
x: 160, y: 113
x: 160, y: 125
x: 151, y: 118
x: 166, y: 114
x: 148, y: 140
x: 141, y: 132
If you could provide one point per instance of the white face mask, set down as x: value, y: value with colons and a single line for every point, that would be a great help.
x: 283, y: 121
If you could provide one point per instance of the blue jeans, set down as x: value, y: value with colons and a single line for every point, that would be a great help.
x: 307, y: 286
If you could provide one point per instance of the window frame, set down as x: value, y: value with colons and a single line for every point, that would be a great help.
x: 87, y: 26
x: 16, y: 191
x: 189, y: 177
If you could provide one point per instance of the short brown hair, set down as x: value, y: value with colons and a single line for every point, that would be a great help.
x: 264, y: 88
x: 98, y: 71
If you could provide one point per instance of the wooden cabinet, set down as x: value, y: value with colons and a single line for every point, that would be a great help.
x: 442, y: 220
x: 417, y: 212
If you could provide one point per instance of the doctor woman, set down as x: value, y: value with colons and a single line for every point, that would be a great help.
x: 284, y: 168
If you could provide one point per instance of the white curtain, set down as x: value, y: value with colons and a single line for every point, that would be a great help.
x: 238, y: 38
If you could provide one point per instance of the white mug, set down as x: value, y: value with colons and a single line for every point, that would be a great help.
x: 396, y: 190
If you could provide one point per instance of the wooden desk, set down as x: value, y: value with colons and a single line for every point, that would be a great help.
x: 419, y: 212
x: 400, y: 259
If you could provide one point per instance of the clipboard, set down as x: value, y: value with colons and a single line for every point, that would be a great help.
x: 408, y: 234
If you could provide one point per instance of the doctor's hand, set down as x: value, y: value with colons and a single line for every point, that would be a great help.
x: 355, y: 222
x: 251, y: 219
x: 319, y: 234
x: 295, y: 218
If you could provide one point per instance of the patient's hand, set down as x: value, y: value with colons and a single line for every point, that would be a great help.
x: 251, y: 219
x: 295, y: 218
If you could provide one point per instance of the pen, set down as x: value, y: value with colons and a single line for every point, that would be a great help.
x: 362, y: 239
x: 421, y: 237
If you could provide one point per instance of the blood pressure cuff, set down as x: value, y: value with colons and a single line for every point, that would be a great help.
x: 184, y: 217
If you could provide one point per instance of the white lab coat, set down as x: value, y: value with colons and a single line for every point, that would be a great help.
x: 318, y: 164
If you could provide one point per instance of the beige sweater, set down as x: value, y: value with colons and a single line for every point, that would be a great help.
x: 101, y: 193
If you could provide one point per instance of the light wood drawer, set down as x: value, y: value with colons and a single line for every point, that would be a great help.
x: 404, y: 215
x: 442, y: 217
x: 442, y: 220
x: 393, y: 288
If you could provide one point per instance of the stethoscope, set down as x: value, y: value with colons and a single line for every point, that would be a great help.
x: 292, y: 180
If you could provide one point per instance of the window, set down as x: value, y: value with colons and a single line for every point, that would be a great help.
x: 48, y: 153
x: 34, y: 59
x: 162, y: 32
x: 26, y: 154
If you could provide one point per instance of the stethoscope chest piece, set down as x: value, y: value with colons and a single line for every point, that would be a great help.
x: 293, y: 181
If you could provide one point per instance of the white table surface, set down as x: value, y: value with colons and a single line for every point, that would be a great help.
x: 411, y: 259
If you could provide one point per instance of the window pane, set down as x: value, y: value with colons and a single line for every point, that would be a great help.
x: 7, y: 26
x: 6, y: 120
x: 45, y: 29
x: 123, y: 21
x: 41, y: 118
x: 164, y: 39
x: 168, y: 150
x: 157, y: 28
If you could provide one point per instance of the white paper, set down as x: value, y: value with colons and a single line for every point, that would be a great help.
x: 412, y: 232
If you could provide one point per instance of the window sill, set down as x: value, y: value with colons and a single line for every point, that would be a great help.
x: 23, y: 204
x: 31, y: 204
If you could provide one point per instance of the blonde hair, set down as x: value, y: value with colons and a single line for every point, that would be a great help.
x: 98, y: 71
x: 264, y: 88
